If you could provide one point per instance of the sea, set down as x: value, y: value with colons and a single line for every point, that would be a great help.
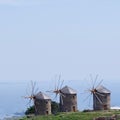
x: 12, y: 94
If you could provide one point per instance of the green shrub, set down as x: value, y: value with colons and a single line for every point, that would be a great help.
x: 54, y: 107
x: 30, y: 110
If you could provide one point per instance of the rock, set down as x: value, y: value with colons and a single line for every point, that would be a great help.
x: 105, y: 118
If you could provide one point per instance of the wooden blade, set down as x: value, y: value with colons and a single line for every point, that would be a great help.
x: 87, y: 97
x: 99, y: 83
x: 29, y: 102
x: 90, y: 100
x: 28, y: 89
x: 61, y: 94
x: 100, y: 94
x: 51, y: 91
x: 55, y: 96
x: 36, y: 91
x: 55, y: 82
x: 95, y: 81
x: 98, y: 99
x: 85, y: 91
x: 27, y: 93
x: 32, y: 87
x: 61, y: 99
x: 61, y: 84
x: 91, y: 77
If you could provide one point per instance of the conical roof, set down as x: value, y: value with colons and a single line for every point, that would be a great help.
x: 68, y: 90
x: 42, y: 96
x: 102, y: 89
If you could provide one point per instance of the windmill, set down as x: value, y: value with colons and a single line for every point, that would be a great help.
x: 31, y: 93
x: 42, y: 102
x: 101, y: 95
x: 69, y: 101
x: 68, y: 97
x: 57, y: 89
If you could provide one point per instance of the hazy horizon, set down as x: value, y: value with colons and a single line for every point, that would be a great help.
x: 16, y: 91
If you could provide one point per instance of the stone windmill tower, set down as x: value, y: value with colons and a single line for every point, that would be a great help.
x: 68, y: 102
x: 67, y: 97
x: 42, y: 104
x: 101, y: 96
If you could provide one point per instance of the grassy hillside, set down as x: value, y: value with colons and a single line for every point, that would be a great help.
x: 74, y: 116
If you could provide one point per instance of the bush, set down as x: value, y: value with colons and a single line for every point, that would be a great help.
x: 30, y: 110
x: 55, y: 107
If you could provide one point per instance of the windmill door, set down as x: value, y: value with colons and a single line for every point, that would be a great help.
x: 74, y: 109
x: 105, y: 107
x: 47, y: 112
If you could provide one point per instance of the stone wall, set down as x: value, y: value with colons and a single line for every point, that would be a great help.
x: 104, y: 118
x: 68, y: 103
x: 114, y: 117
x: 42, y: 107
x: 104, y: 104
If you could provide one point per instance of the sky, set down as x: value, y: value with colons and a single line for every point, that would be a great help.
x: 42, y: 38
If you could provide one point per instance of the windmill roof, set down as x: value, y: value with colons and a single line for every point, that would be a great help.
x: 42, y: 96
x: 102, y: 89
x: 68, y: 90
